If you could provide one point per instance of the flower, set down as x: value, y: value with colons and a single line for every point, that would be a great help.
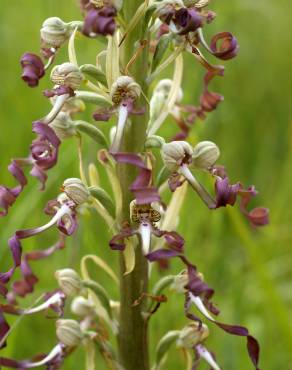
x: 33, y: 69
x: 124, y: 92
x: 187, y: 20
x: 145, y: 217
x: 64, y: 214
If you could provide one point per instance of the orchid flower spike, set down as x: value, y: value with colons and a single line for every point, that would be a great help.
x: 124, y: 92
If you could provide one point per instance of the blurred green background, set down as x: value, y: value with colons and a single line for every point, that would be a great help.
x: 251, y: 271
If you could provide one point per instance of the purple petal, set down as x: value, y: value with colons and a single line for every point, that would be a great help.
x: 117, y: 241
x: 144, y: 192
x: 33, y: 69
x: 188, y: 20
x: 100, y: 22
x: 227, y: 49
x: 162, y: 254
x: 225, y: 193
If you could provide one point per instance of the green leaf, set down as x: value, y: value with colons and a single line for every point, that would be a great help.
x: 164, y: 345
x: 101, y: 294
x: 160, y: 50
x: 162, y: 284
x: 103, y: 197
x: 154, y: 141
x: 94, y: 72
x: 93, y: 98
x: 91, y: 131
x: 147, y: 17
x: 162, y: 176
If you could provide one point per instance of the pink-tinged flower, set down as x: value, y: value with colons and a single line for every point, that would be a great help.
x: 44, y: 151
x: 224, y: 46
x: 64, y: 217
x: 33, y: 69
x: 100, y: 21
x: 145, y: 218
x: 9, y: 195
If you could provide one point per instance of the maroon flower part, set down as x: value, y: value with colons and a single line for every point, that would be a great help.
x: 64, y: 218
x: 210, y: 100
x: 4, y: 328
x: 59, y: 90
x: 187, y: 20
x: 258, y: 216
x: 29, y: 280
x: 142, y: 189
x: 9, y: 195
x: 33, y: 69
x: 118, y: 241
x: 100, y: 22
x: 227, y: 194
x: 224, y: 46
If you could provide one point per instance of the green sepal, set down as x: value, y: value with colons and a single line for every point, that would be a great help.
x: 92, y: 131
x: 100, y: 293
x: 94, y: 72
x: 164, y: 345
x: 103, y: 197
x: 162, y: 176
x: 160, y: 50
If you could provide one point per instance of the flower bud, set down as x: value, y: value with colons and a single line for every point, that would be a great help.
x: 125, y: 88
x: 69, y: 281
x: 176, y: 153
x: 63, y: 126
x: 82, y: 307
x: 69, y: 332
x: 67, y: 74
x: 192, y: 334
x: 76, y: 190
x: 54, y: 32
x: 205, y: 154
x: 164, y: 87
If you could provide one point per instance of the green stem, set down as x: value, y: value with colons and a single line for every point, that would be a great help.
x: 133, y: 341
